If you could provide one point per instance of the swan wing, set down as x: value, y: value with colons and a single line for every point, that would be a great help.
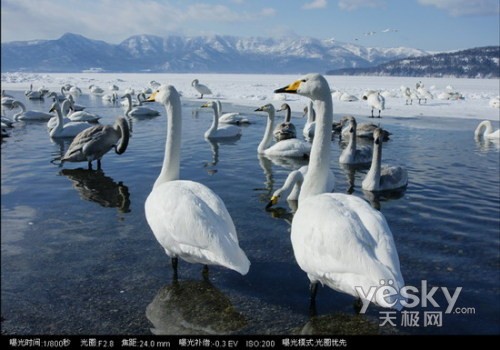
x: 289, y: 148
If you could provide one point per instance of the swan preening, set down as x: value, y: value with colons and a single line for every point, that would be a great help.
x: 338, y: 239
x: 351, y: 154
x: 485, y: 130
x: 293, y: 148
x: 93, y: 143
x: 187, y: 218
x: 216, y: 132
x: 375, y: 100
x: 202, y: 89
x: 383, y: 178
x: 285, y: 130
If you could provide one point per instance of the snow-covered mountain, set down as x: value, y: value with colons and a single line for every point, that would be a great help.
x: 223, y: 54
x: 481, y: 62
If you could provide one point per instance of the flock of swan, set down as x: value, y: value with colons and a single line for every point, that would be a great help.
x: 338, y: 239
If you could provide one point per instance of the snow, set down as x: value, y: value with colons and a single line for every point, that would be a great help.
x: 254, y: 90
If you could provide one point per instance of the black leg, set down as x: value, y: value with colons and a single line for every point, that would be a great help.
x: 379, y: 113
x: 174, y: 267
x: 372, y: 114
x: 312, y: 301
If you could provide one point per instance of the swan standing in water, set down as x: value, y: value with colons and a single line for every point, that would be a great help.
x: 285, y: 130
x: 351, y: 154
x: 29, y: 115
x: 293, y: 183
x: 485, y: 130
x: 187, y: 218
x: 202, y: 89
x: 225, y: 131
x: 287, y: 148
x: 231, y: 118
x: 93, y: 143
x: 139, y: 111
x: 375, y: 100
x: 383, y: 178
x: 310, y: 125
x: 68, y: 129
x: 338, y: 239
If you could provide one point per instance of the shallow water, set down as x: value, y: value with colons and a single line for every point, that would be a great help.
x: 79, y: 258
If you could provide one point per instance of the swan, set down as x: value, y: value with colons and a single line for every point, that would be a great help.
x: 351, y: 154
x: 292, y: 185
x: 55, y: 119
x: 345, y: 97
x: 231, y: 118
x: 383, y: 178
x: 188, y: 219
x: 74, y: 106
x: 29, y: 115
x: 61, y: 129
x: 339, y: 239
x: 202, y: 89
x: 111, y: 97
x: 294, y: 148
x: 424, y: 94
x: 216, y: 132
x: 59, y: 97
x: 485, y: 130
x: 139, y: 111
x: 494, y: 102
x: 363, y: 130
x: 375, y: 100
x: 96, y: 90
x: 310, y: 124
x: 93, y: 143
x: 7, y: 99
x: 410, y: 94
x: 285, y: 130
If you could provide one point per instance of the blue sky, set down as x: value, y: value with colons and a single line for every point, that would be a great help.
x: 434, y: 25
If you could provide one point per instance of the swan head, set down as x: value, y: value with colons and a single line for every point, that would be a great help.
x: 195, y: 82
x: 211, y: 104
x: 55, y: 106
x: 273, y: 201
x: 310, y: 85
x: 269, y: 108
x: 163, y: 94
x: 283, y: 107
x: 378, y: 136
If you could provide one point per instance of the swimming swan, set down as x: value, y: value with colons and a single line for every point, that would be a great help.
x: 383, y: 178
x: 485, y: 130
x: 93, y: 143
x: 216, y: 132
x: 287, y: 148
x: 338, y: 239
x: 351, y: 154
x: 187, y: 218
x: 65, y: 129
x: 29, y: 115
x: 310, y: 125
x: 139, y: 111
x: 202, y: 89
x: 285, y: 130
x: 232, y: 117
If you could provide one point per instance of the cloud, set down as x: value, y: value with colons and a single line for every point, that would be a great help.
x: 315, y: 4
x: 351, y: 5
x: 268, y: 12
x: 465, y: 7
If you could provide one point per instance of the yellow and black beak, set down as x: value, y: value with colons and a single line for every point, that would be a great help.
x: 273, y: 201
x: 205, y: 105
x: 289, y: 89
x: 53, y: 109
x: 260, y: 109
x: 152, y: 97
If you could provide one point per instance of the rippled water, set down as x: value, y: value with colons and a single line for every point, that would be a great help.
x: 79, y: 258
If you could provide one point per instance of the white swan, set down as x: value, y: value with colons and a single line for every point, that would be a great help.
x: 485, y: 130
x: 74, y: 106
x: 494, y: 102
x: 29, y: 115
x: 61, y: 129
x: 231, y: 118
x: 294, y: 148
x: 424, y: 94
x: 310, y: 124
x: 410, y: 94
x: 285, y: 130
x: 93, y: 143
x: 51, y: 124
x: 216, y: 132
x: 139, y: 111
x: 383, y: 178
x: 293, y: 183
x: 7, y: 99
x: 202, y: 89
x: 338, y: 239
x: 96, y: 90
x: 187, y: 218
x: 351, y: 154
x: 375, y: 100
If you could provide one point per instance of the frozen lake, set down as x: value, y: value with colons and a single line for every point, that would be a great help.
x: 78, y: 256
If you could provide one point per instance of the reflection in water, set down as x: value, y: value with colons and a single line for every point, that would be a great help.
x: 214, y: 146
x: 341, y: 323
x: 193, y: 307
x: 376, y: 197
x: 63, y: 145
x: 487, y: 145
x: 350, y: 172
x: 94, y: 186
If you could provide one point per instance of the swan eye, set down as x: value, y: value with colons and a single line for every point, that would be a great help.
x: 303, y: 80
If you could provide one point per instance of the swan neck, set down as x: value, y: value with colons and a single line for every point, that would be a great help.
x: 288, y: 116
x: 316, y: 180
x: 123, y: 129
x: 171, y: 161
x: 268, y: 134
x: 374, y: 172
x: 215, y: 121
x: 310, y: 112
